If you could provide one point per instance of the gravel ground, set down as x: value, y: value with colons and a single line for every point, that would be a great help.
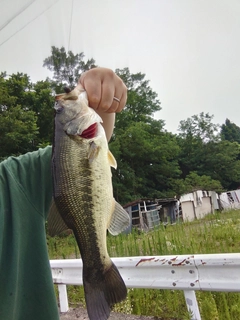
x: 81, y: 314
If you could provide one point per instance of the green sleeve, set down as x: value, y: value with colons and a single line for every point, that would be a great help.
x: 26, y: 287
x: 31, y: 173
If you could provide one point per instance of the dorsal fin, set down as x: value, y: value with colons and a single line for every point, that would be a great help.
x: 55, y: 223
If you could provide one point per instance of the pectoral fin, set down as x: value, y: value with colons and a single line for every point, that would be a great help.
x: 112, y: 160
x: 55, y: 223
x: 120, y: 220
x: 93, y: 151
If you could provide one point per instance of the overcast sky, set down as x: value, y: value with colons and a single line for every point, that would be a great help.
x: 188, y: 49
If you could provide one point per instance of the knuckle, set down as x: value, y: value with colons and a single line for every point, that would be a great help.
x: 110, y: 73
x: 105, y: 107
x: 94, y: 99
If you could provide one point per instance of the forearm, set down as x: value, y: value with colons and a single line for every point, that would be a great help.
x: 108, y: 122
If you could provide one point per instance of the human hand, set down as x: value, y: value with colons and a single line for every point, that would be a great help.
x: 102, y: 85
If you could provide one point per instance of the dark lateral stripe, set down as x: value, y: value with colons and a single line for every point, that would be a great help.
x: 75, y: 203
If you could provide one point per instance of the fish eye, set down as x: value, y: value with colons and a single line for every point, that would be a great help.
x: 58, y: 108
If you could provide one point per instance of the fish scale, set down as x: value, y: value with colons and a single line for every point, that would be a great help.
x: 77, y: 205
x: 76, y: 196
x: 83, y: 199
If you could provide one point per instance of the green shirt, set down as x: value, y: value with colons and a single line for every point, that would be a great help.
x: 26, y: 287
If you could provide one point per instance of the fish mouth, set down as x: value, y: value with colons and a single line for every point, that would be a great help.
x: 90, y: 132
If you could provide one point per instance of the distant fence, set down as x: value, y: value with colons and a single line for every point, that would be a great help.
x: 208, y: 272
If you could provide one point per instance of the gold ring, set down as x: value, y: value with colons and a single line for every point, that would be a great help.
x: 116, y: 99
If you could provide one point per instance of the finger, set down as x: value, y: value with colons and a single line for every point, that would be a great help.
x: 93, y: 89
x: 108, y: 90
x: 123, y: 100
x: 115, y: 102
x: 121, y: 97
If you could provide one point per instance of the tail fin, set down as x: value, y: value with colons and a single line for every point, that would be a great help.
x: 101, y: 295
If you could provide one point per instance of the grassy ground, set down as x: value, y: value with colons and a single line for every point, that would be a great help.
x: 216, y: 233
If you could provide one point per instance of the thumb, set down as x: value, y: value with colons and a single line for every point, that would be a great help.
x: 79, y: 87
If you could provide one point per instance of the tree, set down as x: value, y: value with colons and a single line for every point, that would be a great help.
x: 18, y: 127
x: 204, y: 153
x: 230, y: 131
x: 195, y: 134
x: 42, y: 105
x: 200, y: 127
x: 147, y: 160
x: 152, y: 162
x: 26, y: 114
x: 194, y: 182
x: 190, y: 155
x: 141, y: 104
x: 18, y: 130
x: 146, y: 154
x: 222, y: 163
x: 66, y: 67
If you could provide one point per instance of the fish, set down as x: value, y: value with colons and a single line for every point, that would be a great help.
x: 83, y: 198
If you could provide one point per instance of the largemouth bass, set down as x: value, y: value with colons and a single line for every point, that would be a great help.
x: 83, y: 196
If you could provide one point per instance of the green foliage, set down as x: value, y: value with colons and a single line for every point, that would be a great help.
x: 26, y: 110
x: 18, y: 123
x: 204, y: 153
x: 194, y: 182
x: 222, y: 163
x: 42, y: 105
x: 63, y: 247
x: 146, y: 155
x: 66, y: 67
x: 199, y: 126
x: 152, y: 162
x: 18, y: 130
x: 141, y: 103
x: 147, y: 160
x: 207, y: 305
x: 230, y: 131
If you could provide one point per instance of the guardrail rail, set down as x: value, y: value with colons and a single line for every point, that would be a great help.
x: 208, y: 272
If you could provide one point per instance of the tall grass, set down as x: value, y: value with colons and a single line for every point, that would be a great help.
x: 217, y: 233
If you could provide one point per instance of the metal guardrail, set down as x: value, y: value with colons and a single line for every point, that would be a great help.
x: 209, y: 272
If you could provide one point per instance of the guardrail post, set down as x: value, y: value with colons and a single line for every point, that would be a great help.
x: 63, y: 298
x: 192, y: 304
